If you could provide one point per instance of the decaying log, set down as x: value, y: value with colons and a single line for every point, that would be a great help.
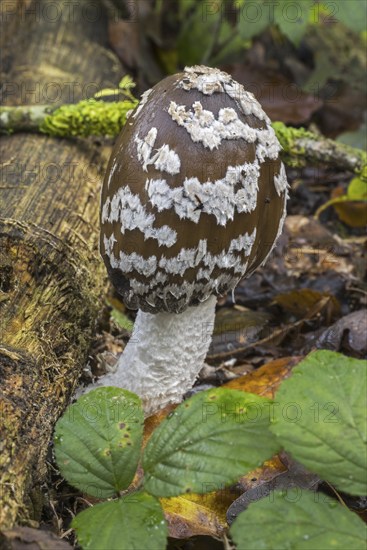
x: 51, y: 275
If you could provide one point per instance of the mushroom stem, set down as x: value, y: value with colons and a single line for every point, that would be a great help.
x: 165, y: 354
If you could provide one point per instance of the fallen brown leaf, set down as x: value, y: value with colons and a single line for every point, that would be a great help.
x: 300, y: 301
x: 25, y: 538
x: 265, y: 380
x: 349, y: 334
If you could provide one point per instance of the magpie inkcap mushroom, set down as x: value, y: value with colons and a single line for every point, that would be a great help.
x: 194, y: 200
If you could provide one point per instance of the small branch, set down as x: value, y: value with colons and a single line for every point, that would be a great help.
x: 301, y: 148
x: 89, y: 117
x: 100, y: 118
x: 23, y: 118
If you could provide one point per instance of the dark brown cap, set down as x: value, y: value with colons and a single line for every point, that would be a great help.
x: 194, y: 194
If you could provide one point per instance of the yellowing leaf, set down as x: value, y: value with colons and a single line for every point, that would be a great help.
x: 351, y: 207
x: 153, y: 421
x: 353, y: 214
x: 192, y: 514
x: 357, y: 189
x: 265, y: 380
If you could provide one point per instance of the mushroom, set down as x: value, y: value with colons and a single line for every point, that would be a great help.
x: 193, y: 200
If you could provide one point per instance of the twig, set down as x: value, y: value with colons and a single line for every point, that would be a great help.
x: 301, y: 147
x: 100, y: 118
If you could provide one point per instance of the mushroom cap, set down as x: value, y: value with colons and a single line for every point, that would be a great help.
x: 194, y: 196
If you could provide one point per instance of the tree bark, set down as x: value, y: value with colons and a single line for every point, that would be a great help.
x: 51, y: 275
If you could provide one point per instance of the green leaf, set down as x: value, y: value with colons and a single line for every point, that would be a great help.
x: 185, y: 6
x: 133, y: 522
x: 320, y: 418
x: 121, y: 319
x: 254, y: 17
x: 196, y: 35
x: 98, y: 441
x: 126, y: 83
x: 357, y: 138
x: 298, y: 520
x: 352, y: 13
x: 357, y: 190
x: 292, y: 18
x: 106, y: 92
x: 210, y: 439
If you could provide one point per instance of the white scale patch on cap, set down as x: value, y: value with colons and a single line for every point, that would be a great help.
x: 187, y: 258
x: 208, y: 81
x: 159, y: 194
x: 145, y: 146
x: 144, y: 99
x: 108, y: 246
x: 203, y: 127
x: 280, y: 181
x: 112, y: 171
x: 184, y: 291
x: 243, y: 243
x: 246, y: 101
x: 190, y: 258
x: 136, y: 262
x: 217, y: 198
x: 164, y: 159
x: 246, y: 198
x: 159, y: 271
x: 126, y: 208
x: 228, y: 260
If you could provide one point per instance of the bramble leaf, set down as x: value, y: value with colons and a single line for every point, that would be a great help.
x: 98, y: 441
x: 299, y: 520
x: 133, y: 522
x: 208, y: 441
x: 320, y: 418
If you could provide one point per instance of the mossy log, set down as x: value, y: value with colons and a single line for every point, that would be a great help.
x: 51, y: 275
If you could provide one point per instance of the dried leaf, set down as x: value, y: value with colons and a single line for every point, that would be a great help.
x: 299, y: 302
x: 349, y: 334
x: 313, y: 250
x: 265, y: 380
x: 236, y: 328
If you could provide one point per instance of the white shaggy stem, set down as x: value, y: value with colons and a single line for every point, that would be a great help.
x: 165, y: 355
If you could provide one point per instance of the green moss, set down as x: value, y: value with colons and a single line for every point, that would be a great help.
x: 87, y: 118
x: 290, y: 140
x: 287, y: 135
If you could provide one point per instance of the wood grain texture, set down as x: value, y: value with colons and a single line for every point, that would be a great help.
x: 51, y: 274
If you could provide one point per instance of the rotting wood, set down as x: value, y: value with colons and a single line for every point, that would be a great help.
x: 51, y: 275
